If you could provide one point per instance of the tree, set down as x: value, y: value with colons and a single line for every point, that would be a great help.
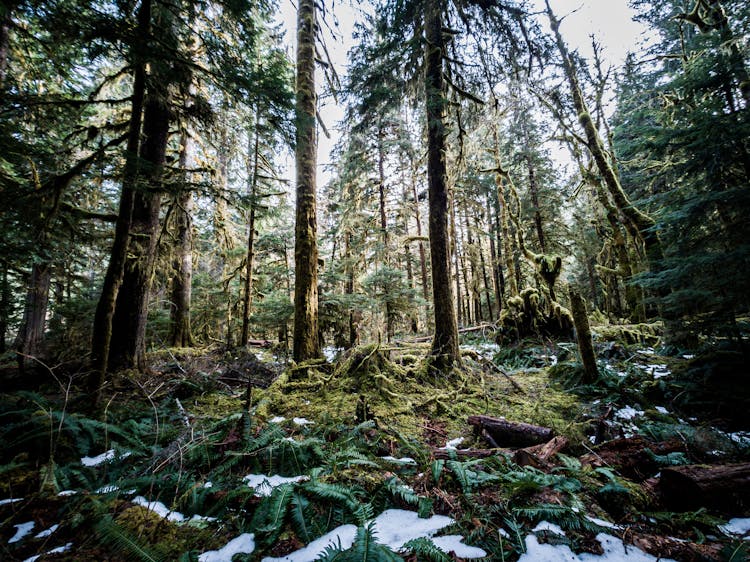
x: 305, y: 340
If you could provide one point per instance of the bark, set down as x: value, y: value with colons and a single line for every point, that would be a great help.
x: 539, y: 455
x: 306, y: 344
x: 4, y: 306
x: 483, y: 265
x: 508, y: 433
x: 534, y: 192
x: 128, y: 344
x: 422, y: 256
x: 31, y: 331
x: 181, y: 331
x: 631, y: 457
x: 724, y: 487
x: 497, y: 272
x: 247, y: 300
x: 583, y: 336
x: 445, y: 344
x: 504, y: 220
x: 453, y: 245
x: 105, y: 308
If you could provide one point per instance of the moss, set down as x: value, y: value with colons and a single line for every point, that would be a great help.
x: 216, y: 406
x: 401, y: 400
x: 630, y: 334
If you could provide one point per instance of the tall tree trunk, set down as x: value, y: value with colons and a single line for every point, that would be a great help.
x: 247, y: 299
x: 496, y: 256
x: 422, y: 256
x: 128, y: 345
x: 483, y: 266
x: 389, y: 315
x: 105, y: 308
x: 31, y: 331
x: 453, y: 237
x: 354, y: 315
x: 534, y: 192
x: 6, y: 12
x: 181, y: 332
x: 4, y: 305
x: 445, y: 344
x: 306, y: 344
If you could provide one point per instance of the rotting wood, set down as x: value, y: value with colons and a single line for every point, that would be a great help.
x: 725, y: 487
x: 510, y: 433
x: 539, y: 455
x: 631, y: 456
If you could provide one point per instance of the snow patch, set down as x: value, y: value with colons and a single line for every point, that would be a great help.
x: 603, y: 523
x: 614, y: 551
x: 550, y: 527
x: 108, y: 489
x: 244, y: 544
x: 402, y: 460
x: 661, y: 409
x: 628, y: 413
x: 341, y: 536
x: 160, y: 509
x: 66, y: 493
x: 737, y: 526
x: 10, y: 500
x: 454, y: 543
x: 452, y: 444
x: 302, y: 421
x: 47, y: 532
x: 277, y: 419
x: 393, y: 528
x: 264, y: 485
x: 22, y: 529
x: 104, y: 457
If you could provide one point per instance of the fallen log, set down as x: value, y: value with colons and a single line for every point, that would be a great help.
x: 538, y: 456
x: 260, y: 343
x: 467, y: 453
x: 725, y: 486
x: 509, y: 433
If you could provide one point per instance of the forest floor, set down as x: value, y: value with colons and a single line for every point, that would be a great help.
x: 213, y: 454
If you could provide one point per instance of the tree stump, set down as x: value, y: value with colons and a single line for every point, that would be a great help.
x: 724, y: 487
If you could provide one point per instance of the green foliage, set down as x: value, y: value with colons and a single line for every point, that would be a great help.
x: 470, y: 474
x: 364, y: 549
x: 424, y: 549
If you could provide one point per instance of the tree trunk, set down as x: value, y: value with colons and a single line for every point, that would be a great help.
x: 4, y: 306
x: 534, y: 192
x: 445, y: 344
x: 483, y: 265
x: 105, y: 308
x: 497, y: 271
x: 31, y: 331
x: 250, y: 256
x: 453, y: 245
x: 306, y: 344
x: 181, y: 332
x: 128, y: 346
x: 583, y: 336
x: 422, y: 256
x: 6, y: 11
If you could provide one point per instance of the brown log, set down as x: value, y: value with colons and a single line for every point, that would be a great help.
x: 510, y: 433
x: 725, y: 487
x: 539, y: 455
x: 260, y: 343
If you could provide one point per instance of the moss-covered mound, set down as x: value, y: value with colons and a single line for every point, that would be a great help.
x: 387, y: 386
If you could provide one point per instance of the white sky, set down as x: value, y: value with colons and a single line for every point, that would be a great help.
x: 609, y: 20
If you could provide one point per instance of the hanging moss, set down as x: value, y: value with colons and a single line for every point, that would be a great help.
x: 525, y: 316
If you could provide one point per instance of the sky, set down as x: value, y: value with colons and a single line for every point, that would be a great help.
x: 609, y: 20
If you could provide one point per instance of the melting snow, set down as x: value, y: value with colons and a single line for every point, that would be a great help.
x: 661, y: 409
x: 402, y: 460
x: 603, y: 523
x: 547, y: 526
x: 393, y: 528
x: 614, y: 551
x: 277, y: 419
x: 108, y: 489
x: 737, y: 526
x: 10, y: 500
x: 503, y: 533
x: 628, y: 413
x: 264, y: 485
x: 452, y: 444
x: 160, y: 509
x: 67, y: 493
x: 302, y: 421
x: 47, y: 532
x: 330, y: 353
x: 22, y: 529
x: 100, y: 459
x: 244, y: 544
x: 58, y: 550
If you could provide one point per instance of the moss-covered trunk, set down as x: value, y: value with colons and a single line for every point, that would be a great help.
x: 445, y: 344
x: 583, y: 336
x: 105, y: 308
x: 181, y: 334
x: 128, y: 344
x: 247, y: 296
x: 31, y: 331
x: 306, y: 343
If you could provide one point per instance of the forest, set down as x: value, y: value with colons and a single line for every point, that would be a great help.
x: 507, y: 319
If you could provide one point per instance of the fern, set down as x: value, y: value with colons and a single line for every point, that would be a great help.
x: 424, y: 549
x: 364, y: 549
x: 562, y: 515
x: 268, y: 519
x: 119, y: 540
x: 342, y: 495
x: 401, y: 491
x: 468, y: 477
x: 670, y: 459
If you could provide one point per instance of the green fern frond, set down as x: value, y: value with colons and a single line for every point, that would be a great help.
x: 364, y: 549
x: 111, y: 534
x: 268, y: 519
x: 401, y: 491
x: 425, y: 549
x: 342, y: 495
